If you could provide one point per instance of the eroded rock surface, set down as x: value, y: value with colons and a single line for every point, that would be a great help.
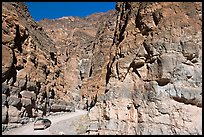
x: 137, y: 69
x: 74, y: 38
x: 29, y: 67
x: 150, y: 81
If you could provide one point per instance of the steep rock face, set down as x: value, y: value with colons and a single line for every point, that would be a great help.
x: 74, y: 39
x: 149, y: 80
x: 29, y: 67
x: 137, y: 70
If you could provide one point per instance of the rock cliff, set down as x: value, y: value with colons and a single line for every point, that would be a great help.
x: 136, y: 69
x: 30, y: 69
x: 74, y: 38
x: 150, y: 77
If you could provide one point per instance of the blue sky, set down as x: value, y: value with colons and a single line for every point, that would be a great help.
x: 53, y: 10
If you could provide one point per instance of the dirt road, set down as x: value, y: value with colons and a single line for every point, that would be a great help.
x: 60, y: 123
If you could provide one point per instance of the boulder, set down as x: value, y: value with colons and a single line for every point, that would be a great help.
x: 13, y: 114
x: 14, y: 101
x: 28, y: 94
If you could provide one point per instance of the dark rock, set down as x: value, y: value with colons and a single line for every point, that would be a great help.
x: 4, y: 114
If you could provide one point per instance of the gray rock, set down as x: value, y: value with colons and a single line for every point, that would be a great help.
x: 93, y: 126
x: 15, y: 90
x: 28, y: 94
x: 5, y: 89
x: 14, y: 101
x: 26, y: 102
x: 4, y: 100
x: 58, y: 108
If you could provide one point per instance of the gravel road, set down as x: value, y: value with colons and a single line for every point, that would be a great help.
x: 60, y: 123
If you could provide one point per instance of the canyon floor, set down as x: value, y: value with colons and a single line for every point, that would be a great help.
x: 60, y: 124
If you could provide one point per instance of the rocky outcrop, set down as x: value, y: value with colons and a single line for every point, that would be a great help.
x: 29, y: 66
x: 149, y: 80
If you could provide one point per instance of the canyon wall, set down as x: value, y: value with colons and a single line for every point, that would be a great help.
x: 30, y: 69
x: 74, y: 38
x: 136, y: 69
x: 149, y: 79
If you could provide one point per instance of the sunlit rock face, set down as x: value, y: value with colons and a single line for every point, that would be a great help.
x: 148, y: 78
x: 74, y: 38
x: 44, y: 63
x: 30, y: 70
x: 136, y: 69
